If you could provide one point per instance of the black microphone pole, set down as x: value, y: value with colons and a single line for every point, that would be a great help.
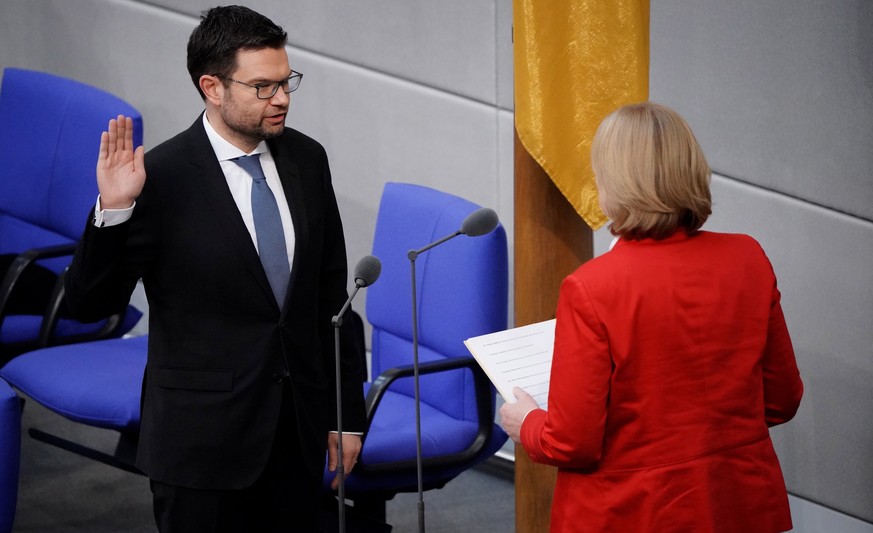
x: 366, y: 273
x: 479, y: 222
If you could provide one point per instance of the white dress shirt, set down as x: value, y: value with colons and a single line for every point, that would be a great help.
x: 240, y: 184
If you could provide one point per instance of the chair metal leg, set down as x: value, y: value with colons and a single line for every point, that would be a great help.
x: 84, y: 451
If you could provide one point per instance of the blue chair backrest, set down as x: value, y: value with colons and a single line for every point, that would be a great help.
x: 49, y: 139
x: 462, y: 288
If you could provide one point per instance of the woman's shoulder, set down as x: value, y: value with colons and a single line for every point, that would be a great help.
x: 727, y: 237
x: 730, y: 242
x: 632, y: 256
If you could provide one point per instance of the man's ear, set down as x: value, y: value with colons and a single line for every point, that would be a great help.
x: 212, y: 89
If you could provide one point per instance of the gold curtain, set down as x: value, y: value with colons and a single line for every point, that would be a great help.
x: 576, y: 61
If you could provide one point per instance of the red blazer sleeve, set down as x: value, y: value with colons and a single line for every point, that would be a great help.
x: 570, y: 433
x: 783, y: 387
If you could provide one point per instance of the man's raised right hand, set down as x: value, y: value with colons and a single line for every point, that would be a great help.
x: 120, y: 169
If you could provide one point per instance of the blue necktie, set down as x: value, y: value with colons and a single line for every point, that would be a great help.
x: 268, y: 228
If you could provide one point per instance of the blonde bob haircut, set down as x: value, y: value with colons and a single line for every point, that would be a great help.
x: 652, y: 176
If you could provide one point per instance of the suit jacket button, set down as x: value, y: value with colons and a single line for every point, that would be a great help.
x: 278, y: 377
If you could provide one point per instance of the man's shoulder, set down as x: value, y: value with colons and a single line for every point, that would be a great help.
x: 180, y: 144
x: 299, y: 139
x: 293, y: 145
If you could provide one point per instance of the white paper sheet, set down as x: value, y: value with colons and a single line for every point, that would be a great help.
x: 517, y: 357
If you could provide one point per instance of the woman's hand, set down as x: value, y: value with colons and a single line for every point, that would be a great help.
x: 512, y: 414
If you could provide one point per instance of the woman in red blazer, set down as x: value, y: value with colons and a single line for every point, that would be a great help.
x: 671, y: 357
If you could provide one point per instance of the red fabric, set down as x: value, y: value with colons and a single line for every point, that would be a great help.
x: 671, y: 359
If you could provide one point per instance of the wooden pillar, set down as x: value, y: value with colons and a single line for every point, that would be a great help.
x: 551, y: 241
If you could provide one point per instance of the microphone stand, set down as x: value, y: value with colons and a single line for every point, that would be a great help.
x: 478, y: 223
x: 366, y: 272
x: 413, y: 255
x: 337, y: 322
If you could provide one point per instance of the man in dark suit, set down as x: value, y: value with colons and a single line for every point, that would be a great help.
x: 238, y: 402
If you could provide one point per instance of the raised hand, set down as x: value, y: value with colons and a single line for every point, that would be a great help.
x: 120, y: 169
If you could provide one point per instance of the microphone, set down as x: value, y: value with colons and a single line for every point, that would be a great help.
x: 366, y: 273
x: 477, y: 223
x: 367, y: 270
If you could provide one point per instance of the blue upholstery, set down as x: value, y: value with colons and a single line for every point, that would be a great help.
x: 48, y: 152
x: 461, y: 292
x: 95, y: 383
x: 10, y: 454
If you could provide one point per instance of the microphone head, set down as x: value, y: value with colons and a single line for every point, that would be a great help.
x: 479, y: 222
x: 367, y: 270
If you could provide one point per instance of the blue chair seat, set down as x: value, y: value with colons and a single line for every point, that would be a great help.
x: 392, y: 438
x: 96, y: 383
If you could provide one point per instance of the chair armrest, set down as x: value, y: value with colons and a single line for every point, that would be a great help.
x: 51, y: 314
x: 484, y: 410
x: 21, y: 262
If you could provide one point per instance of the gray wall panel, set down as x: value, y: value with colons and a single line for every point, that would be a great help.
x: 778, y: 92
x: 377, y: 128
x: 505, y: 82
x: 448, y: 44
x: 821, y: 259
x: 129, y: 49
x: 506, y: 192
x: 809, y: 517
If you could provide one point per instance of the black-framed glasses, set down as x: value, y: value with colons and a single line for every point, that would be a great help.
x: 268, y: 89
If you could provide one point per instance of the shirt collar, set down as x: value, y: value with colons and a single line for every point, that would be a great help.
x: 225, y: 151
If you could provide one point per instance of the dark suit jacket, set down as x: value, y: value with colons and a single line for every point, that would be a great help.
x: 219, y: 343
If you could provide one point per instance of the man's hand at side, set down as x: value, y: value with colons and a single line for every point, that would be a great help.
x: 351, y: 450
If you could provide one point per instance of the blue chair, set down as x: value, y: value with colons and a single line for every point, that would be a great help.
x: 462, y: 288
x: 10, y: 454
x: 95, y: 383
x: 48, y: 152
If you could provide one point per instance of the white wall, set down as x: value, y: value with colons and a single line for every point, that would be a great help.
x: 778, y: 92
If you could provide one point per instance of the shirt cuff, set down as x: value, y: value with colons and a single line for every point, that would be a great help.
x: 111, y: 217
x: 358, y: 433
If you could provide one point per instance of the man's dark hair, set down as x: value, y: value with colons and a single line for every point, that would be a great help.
x: 223, y: 31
